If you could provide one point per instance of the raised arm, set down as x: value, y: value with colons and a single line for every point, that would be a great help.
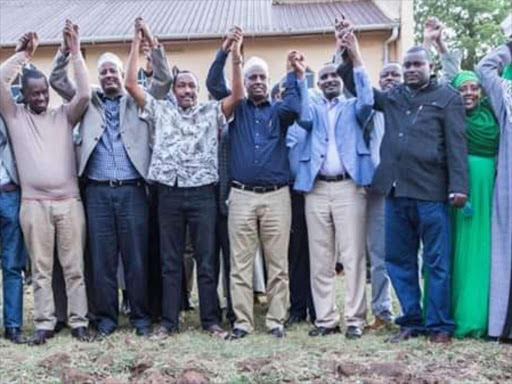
x: 131, y: 85
x: 25, y: 50
x: 59, y: 78
x: 229, y: 103
x: 216, y: 80
x: 78, y: 104
x: 290, y: 108
x: 161, y: 81
x: 433, y: 37
x: 364, y: 101
x: 489, y: 69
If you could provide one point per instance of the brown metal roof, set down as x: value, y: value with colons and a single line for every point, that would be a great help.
x: 112, y: 20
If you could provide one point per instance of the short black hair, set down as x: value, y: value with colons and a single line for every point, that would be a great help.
x: 182, y: 72
x: 420, y: 48
x: 275, y: 91
x: 31, y: 73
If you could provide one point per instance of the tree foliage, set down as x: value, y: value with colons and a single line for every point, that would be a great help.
x: 473, y: 26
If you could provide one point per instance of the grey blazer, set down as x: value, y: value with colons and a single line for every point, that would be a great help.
x: 6, y: 154
x: 135, y: 132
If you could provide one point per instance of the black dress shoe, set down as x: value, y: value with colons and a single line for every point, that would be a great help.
x: 14, y: 335
x: 353, y: 332
x: 293, y: 319
x: 59, y: 326
x: 277, y: 332
x: 81, y: 334
x: 40, y: 336
x: 143, y: 331
x: 237, y: 334
x: 324, y: 331
x: 403, y: 335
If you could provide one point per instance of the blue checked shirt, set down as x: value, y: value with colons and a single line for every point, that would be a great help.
x: 109, y: 160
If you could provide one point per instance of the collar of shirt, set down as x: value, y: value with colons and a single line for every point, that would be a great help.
x: 332, y: 103
x: 262, y: 104
x: 104, y: 97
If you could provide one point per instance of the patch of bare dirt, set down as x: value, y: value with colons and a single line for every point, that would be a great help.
x: 140, y: 365
x: 253, y: 364
x: 75, y: 376
x: 191, y: 376
x: 55, y: 363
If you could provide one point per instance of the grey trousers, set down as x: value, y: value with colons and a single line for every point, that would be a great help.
x: 375, y: 245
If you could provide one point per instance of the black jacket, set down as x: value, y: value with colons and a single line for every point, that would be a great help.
x: 423, y: 152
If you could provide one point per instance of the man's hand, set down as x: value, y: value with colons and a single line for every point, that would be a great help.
x: 458, y: 199
x: 297, y: 62
x: 28, y: 43
x: 146, y: 33
x: 233, y: 34
x: 341, y: 27
x: 72, y: 35
x: 236, y: 47
x: 138, y: 31
x: 352, y: 47
x: 433, y: 35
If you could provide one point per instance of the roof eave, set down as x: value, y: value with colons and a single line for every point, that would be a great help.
x: 204, y: 36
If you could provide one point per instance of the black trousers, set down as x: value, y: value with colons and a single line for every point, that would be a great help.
x: 301, y: 301
x: 222, y: 244
x: 195, y: 207
x: 118, y: 220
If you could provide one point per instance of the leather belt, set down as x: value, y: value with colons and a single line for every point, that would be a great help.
x: 10, y: 187
x: 344, y: 176
x: 116, y: 183
x: 257, y: 189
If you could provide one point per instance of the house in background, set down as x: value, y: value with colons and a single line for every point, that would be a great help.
x: 192, y: 30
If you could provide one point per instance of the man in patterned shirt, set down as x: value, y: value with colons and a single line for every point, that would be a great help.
x: 184, y: 165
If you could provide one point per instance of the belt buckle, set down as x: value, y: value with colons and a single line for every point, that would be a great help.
x: 114, y: 183
x: 259, y: 189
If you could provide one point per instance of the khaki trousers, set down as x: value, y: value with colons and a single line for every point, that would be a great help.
x: 254, y: 216
x: 60, y: 224
x: 336, y: 213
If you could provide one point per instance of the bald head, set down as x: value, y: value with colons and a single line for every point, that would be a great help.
x: 329, y: 81
x: 390, y: 76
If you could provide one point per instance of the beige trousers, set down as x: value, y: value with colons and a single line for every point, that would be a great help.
x: 336, y: 213
x: 254, y: 216
x: 60, y: 224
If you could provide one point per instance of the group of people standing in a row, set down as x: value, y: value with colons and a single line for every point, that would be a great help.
x: 373, y: 173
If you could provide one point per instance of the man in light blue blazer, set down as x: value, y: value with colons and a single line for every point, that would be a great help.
x: 334, y: 168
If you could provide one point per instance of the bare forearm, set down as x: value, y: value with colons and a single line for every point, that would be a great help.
x: 83, y: 89
x: 131, y: 85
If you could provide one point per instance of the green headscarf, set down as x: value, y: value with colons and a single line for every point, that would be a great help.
x: 507, y: 72
x: 482, y: 129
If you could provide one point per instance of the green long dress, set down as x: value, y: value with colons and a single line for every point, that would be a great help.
x: 471, y: 229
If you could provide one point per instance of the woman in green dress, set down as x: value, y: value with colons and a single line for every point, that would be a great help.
x: 471, y: 226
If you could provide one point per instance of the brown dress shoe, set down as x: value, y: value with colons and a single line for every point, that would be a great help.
x: 440, y: 338
x: 378, y: 323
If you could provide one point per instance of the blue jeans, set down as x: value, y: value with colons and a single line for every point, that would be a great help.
x: 13, y: 258
x: 117, y: 221
x: 408, y: 221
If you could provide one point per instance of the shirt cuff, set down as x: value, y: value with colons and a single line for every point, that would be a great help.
x: 221, y: 55
x: 360, y: 69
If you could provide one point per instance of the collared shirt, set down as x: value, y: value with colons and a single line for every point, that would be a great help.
x: 332, y: 165
x: 185, y: 148
x: 109, y: 160
x: 257, y: 135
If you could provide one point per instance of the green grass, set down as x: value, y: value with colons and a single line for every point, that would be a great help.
x: 259, y: 358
